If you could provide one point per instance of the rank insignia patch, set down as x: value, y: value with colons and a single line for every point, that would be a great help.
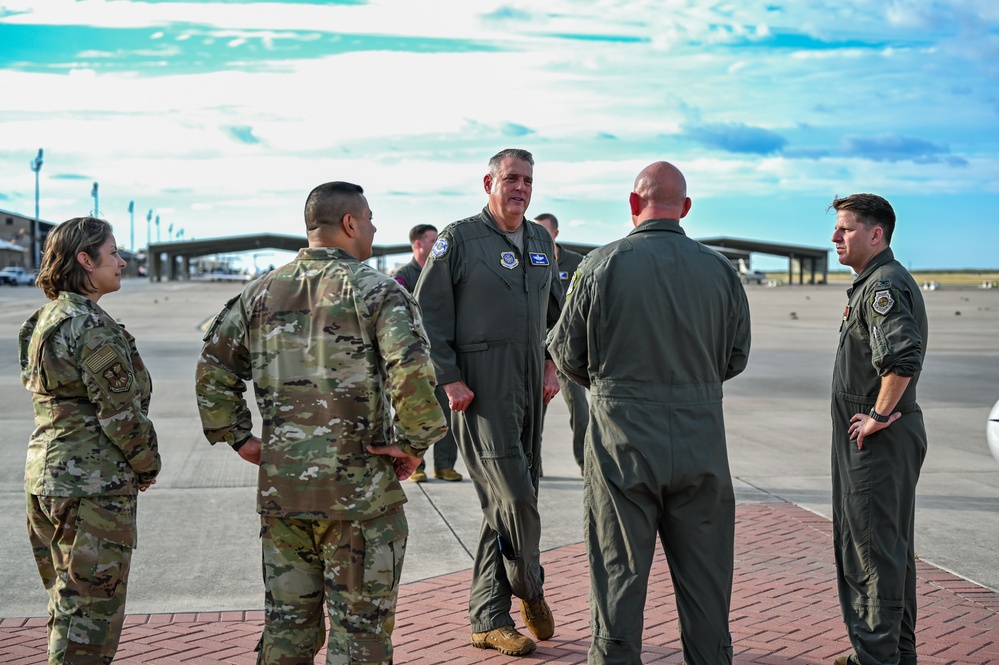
x: 883, y: 302
x: 539, y: 259
x: 509, y: 260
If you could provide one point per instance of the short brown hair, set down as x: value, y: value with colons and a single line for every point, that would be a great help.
x: 60, y: 271
x: 871, y: 210
x: 417, y: 231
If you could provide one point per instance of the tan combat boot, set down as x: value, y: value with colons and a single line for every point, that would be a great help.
x: 419, y: 476
x: 538, y: 617
x: 448, y: 474
x: 504, y: 639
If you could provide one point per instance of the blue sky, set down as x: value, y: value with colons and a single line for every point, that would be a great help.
x: 221, y: 116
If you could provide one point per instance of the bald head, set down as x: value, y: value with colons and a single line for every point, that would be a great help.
x: 660, y: 193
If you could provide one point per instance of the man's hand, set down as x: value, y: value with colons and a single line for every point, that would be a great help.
x: 551, y: 381
x: 143, y: 486
x: 862, y: 426
x: 404, y: 463
x: 250, y: 451
x: 459, y: 396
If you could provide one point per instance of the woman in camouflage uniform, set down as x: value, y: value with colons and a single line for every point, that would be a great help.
x: 93, y: 448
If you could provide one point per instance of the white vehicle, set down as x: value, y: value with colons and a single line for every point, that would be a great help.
x: 747, y: 275
x: 16, y: 276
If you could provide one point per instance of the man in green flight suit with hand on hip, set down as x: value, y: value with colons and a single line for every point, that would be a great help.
x: 489, y: 293
x: 879, y: 440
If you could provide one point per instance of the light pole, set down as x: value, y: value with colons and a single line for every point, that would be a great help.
x: 36, y: 255
x: 131, y: 226
x: 157, y: 228
x: 93, y: 192
x: 149, y: 232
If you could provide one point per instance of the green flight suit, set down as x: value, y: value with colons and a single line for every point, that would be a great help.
x: 573, y: 393
x: 446, y: 449
x: 884, y: 331
x: 653, y: 324
x: 487, y: 307
x: 339, y: 360
x: 92, y: 447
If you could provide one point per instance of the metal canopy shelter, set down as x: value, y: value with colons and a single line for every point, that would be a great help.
x: 172, y: 260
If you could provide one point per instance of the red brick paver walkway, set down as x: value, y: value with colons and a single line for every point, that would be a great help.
x: 784, y: 610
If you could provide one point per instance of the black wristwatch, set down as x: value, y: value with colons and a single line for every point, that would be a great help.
x: 877, y: 416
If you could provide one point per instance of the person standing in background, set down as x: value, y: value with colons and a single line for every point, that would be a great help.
x: 422, y: 238
x: 573, y: 393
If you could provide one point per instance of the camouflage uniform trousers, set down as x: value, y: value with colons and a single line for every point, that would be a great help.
x: 355, y: 565
x: 83, y: 549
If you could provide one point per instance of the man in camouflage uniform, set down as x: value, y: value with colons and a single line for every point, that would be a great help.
x: 653, y: 324
x: 422, y: 238
x: 573, y: 393
x: 343, y: 380
x: 93, y: 448
x: 879, y: 440
x: 489, y: 293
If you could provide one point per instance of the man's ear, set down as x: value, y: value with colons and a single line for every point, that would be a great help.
x: 877, y: 235
x: 686, y: 207
x: 635, y: 201
x: 487, y: 182
x: 349, y: 225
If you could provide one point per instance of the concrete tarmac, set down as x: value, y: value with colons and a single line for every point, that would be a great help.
x: 198, y: 547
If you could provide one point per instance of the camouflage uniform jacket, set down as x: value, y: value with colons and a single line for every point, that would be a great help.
x: 339, y: 360
x: 91, y: 393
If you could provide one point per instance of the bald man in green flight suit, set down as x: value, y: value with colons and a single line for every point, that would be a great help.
x: 653, y: 324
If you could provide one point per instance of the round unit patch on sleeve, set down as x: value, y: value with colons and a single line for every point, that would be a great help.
x: 441, y: 247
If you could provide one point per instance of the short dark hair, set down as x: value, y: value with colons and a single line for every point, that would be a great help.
x: 548, y: 217
x: 871, y: 210
x: 329, y: 202
x: 60, y: 271
x: 516, y: 153
x: 417, y: 231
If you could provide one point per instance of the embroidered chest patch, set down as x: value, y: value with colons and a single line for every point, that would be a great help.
x: 539, y: 259
x: 509, y: 260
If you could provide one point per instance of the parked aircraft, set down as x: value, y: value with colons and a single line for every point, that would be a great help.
x: 748, y: 275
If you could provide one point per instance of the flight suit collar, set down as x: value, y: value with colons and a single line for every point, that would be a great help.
x: 671, y: 225
x: 879, y: 260
x: 490, y: 221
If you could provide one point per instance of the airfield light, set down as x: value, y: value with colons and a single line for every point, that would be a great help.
x: 93, y: 192
x: 36, y: 166
x: 131, y: 225
x: 149, y: 234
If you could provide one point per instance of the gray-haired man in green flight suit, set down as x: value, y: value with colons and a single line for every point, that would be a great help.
x: 879, y: 440
x: 489, y: 293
